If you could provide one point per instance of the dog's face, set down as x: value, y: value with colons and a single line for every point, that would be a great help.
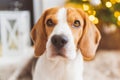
x: 62, y: 31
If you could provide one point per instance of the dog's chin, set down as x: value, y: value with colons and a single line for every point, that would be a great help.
x: 60, y: 56
x: 64, y: 54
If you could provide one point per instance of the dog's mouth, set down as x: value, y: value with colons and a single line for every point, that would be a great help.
x: 59, y: 52
x: 64, y: 53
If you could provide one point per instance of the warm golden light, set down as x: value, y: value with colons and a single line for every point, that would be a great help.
x: 96, y: 21
x: 118, y: 18
x: 118, y: 1
x: 116, y: 13
x: 92, y: 12
x: 73, y: 5
x: 113, y: 1
x: 108, y: 4
x: 118, y: 23
x: 93, y: 19
x: 84, y: 0
x: 85, y: 7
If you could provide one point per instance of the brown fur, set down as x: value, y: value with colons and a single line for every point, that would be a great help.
x: 90, y: 37
x: 73, y: 15
x: 86, y: 36
x: 39, y: 33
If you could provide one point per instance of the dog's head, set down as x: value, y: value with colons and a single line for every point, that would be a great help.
x: 62, y: 31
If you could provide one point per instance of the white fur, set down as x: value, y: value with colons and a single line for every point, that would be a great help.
x: 63, y: 28
x: 57, y: 68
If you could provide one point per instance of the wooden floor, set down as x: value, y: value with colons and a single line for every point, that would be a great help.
x: 106, y: 66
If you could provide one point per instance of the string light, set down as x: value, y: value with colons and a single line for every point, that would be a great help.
x: 84, y: 0
x: 113, y: 1
x: 85, y: 7
x: 96, y: 21
x: 92, y: 12
x: 118, y: 18
x: 116, y: 14
x: 108, y: 4
x: 93, y: 19
x: 118, y: 1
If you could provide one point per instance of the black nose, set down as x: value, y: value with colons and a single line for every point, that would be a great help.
x: 59, y: 41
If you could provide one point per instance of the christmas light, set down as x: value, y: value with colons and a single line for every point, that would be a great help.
x: 96, y: 21
x: 85, y: 7
x: 99, y: 9
x: 108, y: 4
x: 118, y: 18
x: 92, y: 12
x: 116, y: 13
x: 92, y: 17
x: 84, y: 0
x: 95, y: 2
x: 113, y: 1
x: 118, y: 1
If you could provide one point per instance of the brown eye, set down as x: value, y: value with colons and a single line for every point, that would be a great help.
x: 76, y: 23
x: 50, y: 22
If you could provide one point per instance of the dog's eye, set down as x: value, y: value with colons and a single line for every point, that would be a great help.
x: 76, y: 23
x: 50, y: 22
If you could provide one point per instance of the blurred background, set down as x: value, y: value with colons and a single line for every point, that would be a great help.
x: 17, y: 18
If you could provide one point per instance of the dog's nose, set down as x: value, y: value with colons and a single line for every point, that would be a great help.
x: 59, y: 41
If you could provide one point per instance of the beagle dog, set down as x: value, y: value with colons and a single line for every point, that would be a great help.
x: 63, y: 37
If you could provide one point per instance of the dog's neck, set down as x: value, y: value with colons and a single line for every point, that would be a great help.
x: 69, y: 70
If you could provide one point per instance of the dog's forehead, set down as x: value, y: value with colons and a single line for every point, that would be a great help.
x: 63, y: 19
x: 64, y: 12
x: 52, y: 11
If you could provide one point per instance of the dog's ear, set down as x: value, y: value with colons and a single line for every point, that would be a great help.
x: 38, y: 35
x: 89, y: 41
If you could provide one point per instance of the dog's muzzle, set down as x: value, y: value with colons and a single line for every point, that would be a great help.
x: 59, y: 41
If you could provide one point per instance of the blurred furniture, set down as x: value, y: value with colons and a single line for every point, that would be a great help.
x: 18, y: 5
x: 15, y: 29
x: 110, y: 36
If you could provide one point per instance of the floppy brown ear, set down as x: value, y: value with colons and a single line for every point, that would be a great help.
x: 38, y: 35
x: 90, y: 38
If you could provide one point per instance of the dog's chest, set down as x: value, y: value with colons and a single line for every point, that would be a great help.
x: 59, y: 70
